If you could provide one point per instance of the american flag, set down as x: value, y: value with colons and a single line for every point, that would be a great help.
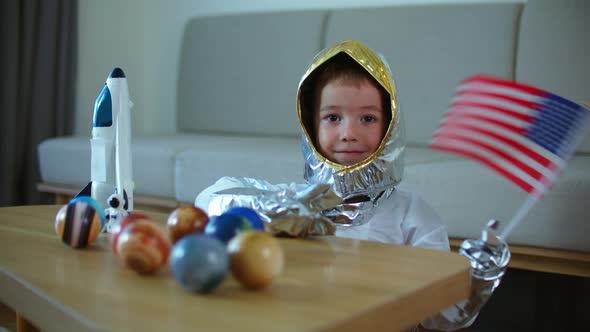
x: 522, y: 132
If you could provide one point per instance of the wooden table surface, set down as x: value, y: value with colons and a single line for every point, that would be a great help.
x: 328, y: 284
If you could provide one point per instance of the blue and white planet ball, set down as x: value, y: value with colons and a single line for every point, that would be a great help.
x: 199, y: 262
x: 224, y: 227
x: 248, y: 213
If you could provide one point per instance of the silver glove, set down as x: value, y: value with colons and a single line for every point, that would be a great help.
x: 298, y: 214
x: 489, y: 257
x: 288, y: 211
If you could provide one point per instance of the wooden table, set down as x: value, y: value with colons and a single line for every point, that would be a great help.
x: 328, y: 284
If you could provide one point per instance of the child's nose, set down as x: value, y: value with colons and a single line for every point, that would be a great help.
x: 349, y: 131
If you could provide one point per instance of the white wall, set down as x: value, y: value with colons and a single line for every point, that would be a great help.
x: 143, y: 38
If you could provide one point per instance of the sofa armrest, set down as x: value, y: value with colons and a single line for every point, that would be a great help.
x: 63, y: 194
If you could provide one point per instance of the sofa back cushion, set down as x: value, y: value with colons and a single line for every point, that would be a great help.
x: 243, y: 78
x: 554, y: 49
x: 430, y: 49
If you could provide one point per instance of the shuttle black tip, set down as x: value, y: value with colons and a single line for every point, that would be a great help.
x: 117, y: 73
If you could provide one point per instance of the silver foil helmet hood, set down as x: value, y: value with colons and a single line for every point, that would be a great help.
x: 383, y: 169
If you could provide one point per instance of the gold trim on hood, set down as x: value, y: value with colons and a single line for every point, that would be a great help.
x: 377, y: 68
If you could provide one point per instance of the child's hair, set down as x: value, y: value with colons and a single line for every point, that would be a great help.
x: 339, y: 67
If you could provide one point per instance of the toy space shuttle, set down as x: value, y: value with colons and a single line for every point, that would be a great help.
x: 111, y: 181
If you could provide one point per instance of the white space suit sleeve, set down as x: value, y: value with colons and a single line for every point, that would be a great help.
x: 423, y: 227
x: 204, y: 198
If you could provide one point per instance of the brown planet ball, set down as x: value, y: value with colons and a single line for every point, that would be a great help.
x: 186, y: 220
x: 256, y: 258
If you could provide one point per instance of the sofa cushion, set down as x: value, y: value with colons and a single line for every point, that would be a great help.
x: 552, y: 59
x: 66, y: 160
x: 431, y: 48
x: 273, y: 159
x: 414, y: 155
x: 239, y: 73
x: 276, y: 160
x: 467, y: 194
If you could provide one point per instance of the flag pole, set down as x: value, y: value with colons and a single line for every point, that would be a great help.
x: 534, y: 198
x: 522, y: 211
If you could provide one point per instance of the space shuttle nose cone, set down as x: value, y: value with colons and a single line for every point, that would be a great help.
x: 117, y: 73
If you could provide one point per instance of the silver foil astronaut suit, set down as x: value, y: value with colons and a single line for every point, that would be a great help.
x: 360, y: 200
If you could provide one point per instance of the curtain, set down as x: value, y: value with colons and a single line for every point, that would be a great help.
x: 38, y: 55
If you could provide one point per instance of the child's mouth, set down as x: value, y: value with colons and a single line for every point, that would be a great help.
x: 349, y: 152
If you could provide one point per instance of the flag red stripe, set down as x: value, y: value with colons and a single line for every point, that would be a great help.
x: 502, y: 154
x: 507, y: 84
x: 494, y: 95
x: 453, y: 117
x: 488, y: 107
x: 515, y: 179
x: 449, y: 126
x: 499, y: 123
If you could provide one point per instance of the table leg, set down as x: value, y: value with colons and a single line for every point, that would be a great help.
x: 23, y: 325
x: 62, y: 199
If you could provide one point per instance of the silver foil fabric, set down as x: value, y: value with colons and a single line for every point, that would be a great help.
x: 489, y: 257
x: 292, y: 211
x: 373, y: 178
x: 360, y: 186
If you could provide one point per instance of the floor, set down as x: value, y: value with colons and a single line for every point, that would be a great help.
x: 536, y: 301
x: 7, y: 319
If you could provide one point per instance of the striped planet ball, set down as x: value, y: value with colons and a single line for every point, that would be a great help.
x: 143, y: 246
x: 79, y: 222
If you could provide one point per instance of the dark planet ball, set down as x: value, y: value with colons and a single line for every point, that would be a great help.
x: 199, y: 262
x: 249, y: 214
x: 224, y: 227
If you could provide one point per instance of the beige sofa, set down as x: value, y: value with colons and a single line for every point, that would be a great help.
x: 238, y: 77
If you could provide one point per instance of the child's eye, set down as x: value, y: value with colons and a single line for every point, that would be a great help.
x: 332, y: 118
x: 369, y: 118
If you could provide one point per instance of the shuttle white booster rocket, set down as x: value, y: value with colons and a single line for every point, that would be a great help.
x: 111, y: 179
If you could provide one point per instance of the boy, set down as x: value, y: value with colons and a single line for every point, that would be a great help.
x: 353, y: 141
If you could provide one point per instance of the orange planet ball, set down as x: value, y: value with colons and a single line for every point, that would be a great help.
x: 143, y: 246
x: 186, y: 220
x: 256, y: 258
x: 129, y: 219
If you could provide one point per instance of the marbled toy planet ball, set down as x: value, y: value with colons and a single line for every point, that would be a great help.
x: 256, y: 258
x: 199, y: 262
x: 143, y: 246
x: 79, y: 222
x: 186, y: 220
x: 129, y: 219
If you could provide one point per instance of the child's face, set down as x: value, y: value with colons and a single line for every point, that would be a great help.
x: 350, y: 122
